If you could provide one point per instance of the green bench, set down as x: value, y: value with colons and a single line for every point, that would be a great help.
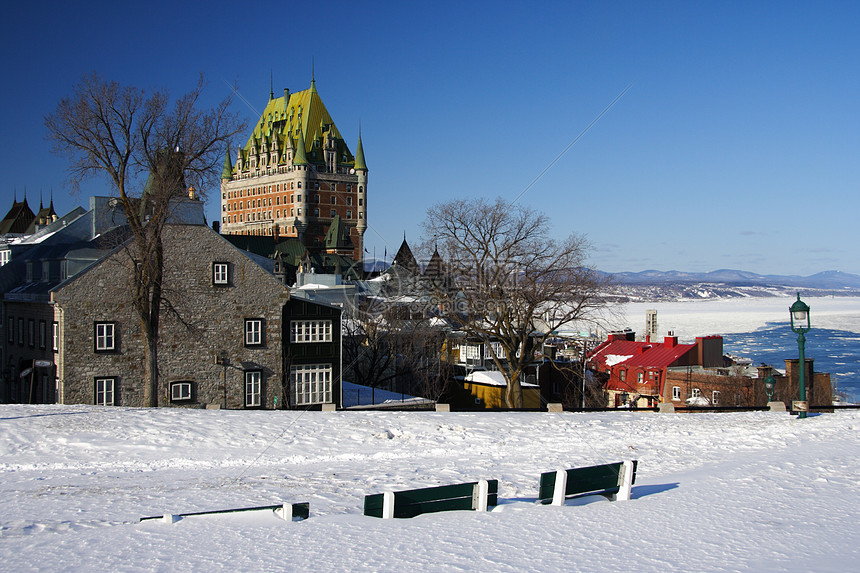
x: 296, y: 512
x: 479, y: 496
x: 614, y: 481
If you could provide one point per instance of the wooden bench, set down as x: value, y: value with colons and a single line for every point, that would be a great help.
x: 296, y: 512
x: 614, y: 481
x: 479, y: 496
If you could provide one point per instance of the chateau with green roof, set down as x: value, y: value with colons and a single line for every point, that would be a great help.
x: 296, y: 177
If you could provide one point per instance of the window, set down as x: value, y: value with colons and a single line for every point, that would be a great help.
x: 316, y: 212
x: 10, y: 326
x: 622, y: 375
x: 310, y: 331
x: 312, y: 383
x: 715, y: 397
x: 253, y: 332
x: 253, y: 385
x: 105, y: 336
x: 696, y: 393
x: 333, y: 200
x: 349, y: 214
x: 43, y: 334
x: 640, y: 377
x: 21, y: 331
x: 180, y: 391
x: 676, y: 392
x: 333, y: 213
x: 220, y: 273
x: 360, y: 201
x: 55, y: 339
x: 31, y: 333
x: 5, y: 256
x: 349, y: 200
x: 105, y: 391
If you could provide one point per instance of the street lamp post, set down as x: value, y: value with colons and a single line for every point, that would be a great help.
x: 800, y: 325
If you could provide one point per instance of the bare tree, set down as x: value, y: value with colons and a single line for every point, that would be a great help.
x: 148, y: 148
x: 513, y: 285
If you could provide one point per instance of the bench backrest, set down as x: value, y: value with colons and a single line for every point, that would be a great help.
x: 603, y: 479
x: 414, y: 502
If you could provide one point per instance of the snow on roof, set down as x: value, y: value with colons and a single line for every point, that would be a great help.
x: 613, y: 359
x: 312, y: 286
x: 492, y: 378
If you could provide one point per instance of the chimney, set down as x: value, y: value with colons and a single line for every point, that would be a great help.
x: 671, y: 340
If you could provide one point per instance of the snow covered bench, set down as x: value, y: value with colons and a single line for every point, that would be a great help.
x: 611, y: 480
x: 295, y: 511
x: 478, y: 496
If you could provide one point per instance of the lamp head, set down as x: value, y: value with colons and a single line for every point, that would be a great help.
x: 799, y: 315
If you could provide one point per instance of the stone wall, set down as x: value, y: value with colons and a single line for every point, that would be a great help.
x: 201, y: 321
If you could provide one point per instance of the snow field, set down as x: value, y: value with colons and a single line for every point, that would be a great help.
x: 714, y: 492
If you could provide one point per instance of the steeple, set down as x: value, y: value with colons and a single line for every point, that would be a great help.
x: 360, y: 164
x: 227, y: 172
x: 301, y: 157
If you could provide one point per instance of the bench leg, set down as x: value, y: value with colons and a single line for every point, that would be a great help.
x: 625, y: 482
x: 480, y: 495
x: 388, y: 505
x: 560, y: 487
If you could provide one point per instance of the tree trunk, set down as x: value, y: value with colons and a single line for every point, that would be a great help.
x: 514, y: 392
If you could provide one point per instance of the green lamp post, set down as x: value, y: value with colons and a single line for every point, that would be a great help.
x: 800, y: 325
x: 769, y: 384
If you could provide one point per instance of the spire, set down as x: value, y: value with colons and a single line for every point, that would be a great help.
x: 227, y: 172
x: 360, y: 164
x: 271, y: 85
x: 300, y: 158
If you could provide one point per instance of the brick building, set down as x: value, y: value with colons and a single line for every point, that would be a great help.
x: 296, y: 177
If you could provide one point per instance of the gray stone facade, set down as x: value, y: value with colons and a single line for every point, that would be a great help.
x: 202, y: 334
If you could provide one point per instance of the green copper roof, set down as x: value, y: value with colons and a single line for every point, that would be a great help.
x: 301, y: 157
x: 227, y: 172
x: 293, y: 118
x: 359, y: 155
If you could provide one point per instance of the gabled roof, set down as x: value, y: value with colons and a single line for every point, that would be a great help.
x: 299, y: 120
x: 638, y: 354
x: 18, y: 219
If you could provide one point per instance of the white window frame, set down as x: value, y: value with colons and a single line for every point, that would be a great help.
x: 180, y: 391
x: 676, y: 393
x: 253, y: 331
x: 308, y: 331
x: 715, y: 397
x: 311, y: 383
x: 105, y: 391
x: 696, y: 393
x: 253, y: 388
x: 220, y: 274
x: 105, y: 336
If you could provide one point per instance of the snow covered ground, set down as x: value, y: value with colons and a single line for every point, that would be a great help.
x: 715, y: 492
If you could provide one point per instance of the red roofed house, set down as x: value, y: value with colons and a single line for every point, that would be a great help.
x: 637, y: 370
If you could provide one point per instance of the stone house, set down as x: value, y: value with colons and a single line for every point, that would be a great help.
x: 221, y: 333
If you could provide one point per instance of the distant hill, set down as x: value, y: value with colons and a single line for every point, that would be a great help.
x: 827, y: 280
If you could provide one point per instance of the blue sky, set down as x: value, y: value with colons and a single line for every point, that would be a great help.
x: 737, y: 144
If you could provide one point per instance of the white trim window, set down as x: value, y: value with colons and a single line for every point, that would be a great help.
x: 676, y: 393
x: 105, y: 336
x: 312, y: 383
x: 180, y: 391
x: 220, y: 274
x: 715, y: 397
x: 105, y: 391
x: 253, y: 388
x: 310, y: 331
x: 696, y: 393
x: 253, y: 331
